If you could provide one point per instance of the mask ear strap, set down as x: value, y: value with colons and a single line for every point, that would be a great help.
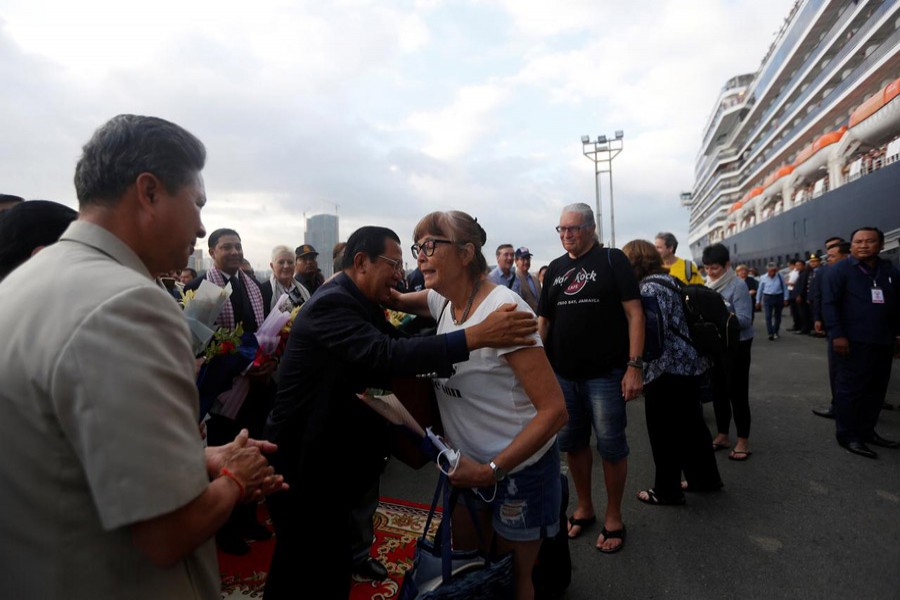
x: 452, y: 459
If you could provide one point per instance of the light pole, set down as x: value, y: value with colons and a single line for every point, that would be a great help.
x: 602, y: 151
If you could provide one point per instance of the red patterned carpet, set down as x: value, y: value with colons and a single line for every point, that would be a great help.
x: 397, y: 525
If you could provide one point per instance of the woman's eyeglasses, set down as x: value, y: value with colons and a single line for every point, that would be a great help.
x: 427, y: 247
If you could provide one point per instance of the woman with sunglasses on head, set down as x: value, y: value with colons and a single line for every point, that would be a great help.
x: 501, y: 409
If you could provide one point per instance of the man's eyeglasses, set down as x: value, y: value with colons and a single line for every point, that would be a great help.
x: 427, y: 247
x: 395, y: 263
x: 567, y: 229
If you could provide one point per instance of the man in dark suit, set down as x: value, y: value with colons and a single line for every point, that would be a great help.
x: 245, y: 307
x: 334, y: 445
x: 797, y: 298
x: 837, y: 250
x: 861, y: 304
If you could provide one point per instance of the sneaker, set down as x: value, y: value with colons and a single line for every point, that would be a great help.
x: 776, y: 336
x: 771, y: 337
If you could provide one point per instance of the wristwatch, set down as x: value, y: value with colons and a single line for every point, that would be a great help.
x: 636, y: 361
x: 499, y: 472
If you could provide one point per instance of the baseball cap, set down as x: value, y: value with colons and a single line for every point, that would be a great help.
x: 523, y: 252
x: 813, y: 257
x: 305, y: 250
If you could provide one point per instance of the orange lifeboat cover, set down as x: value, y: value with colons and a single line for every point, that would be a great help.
x: 892, y: 90
x: 804, y: 155
x: 867, y: 108
x: 828, y: 139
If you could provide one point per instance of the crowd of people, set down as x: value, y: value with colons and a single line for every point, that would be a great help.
x: 111, y: 490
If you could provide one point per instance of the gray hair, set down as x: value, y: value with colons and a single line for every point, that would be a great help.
x: 279, y: 250
x: 460, y: 227
x: 586, y: 212
x: 668, y: 239
x: 128, y: 145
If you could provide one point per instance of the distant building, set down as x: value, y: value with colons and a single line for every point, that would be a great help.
x: 196, y: 260
x: 322, y: 234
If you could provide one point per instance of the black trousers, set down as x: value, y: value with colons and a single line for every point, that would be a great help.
x: 732, y: 390
x: 362, y: 526
x: 312, y: 529
x: 679, y: 438
x: 861, y: 383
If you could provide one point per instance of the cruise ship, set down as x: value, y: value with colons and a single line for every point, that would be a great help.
x: 806, y: 147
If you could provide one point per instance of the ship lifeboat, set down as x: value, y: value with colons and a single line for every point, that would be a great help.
x: 748, y: 202
x: 772, y: 184
x: 816, y: 155
x: 879, y: 116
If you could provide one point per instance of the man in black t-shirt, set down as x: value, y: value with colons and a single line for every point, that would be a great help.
x: 592, y: 323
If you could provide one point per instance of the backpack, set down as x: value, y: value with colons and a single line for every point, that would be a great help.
x: 714, y: 328
x: 688, y: 270
x: 654, y: 328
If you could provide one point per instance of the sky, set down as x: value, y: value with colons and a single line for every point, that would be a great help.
x: 384, y: 111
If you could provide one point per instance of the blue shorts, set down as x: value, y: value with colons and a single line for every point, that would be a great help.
x: 527, y: 504
x: 596, y: 403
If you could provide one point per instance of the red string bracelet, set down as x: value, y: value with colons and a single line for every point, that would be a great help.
x: 225, y: 472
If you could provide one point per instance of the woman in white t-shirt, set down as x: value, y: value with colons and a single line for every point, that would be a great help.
x: 501, y: 409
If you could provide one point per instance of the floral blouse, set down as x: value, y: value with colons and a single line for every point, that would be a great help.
x: 678, y: 357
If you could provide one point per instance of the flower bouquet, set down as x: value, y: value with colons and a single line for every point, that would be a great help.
x: 398, y: 319
x: 270, y: 339
x: 201, y: 309
x: 228, y: 355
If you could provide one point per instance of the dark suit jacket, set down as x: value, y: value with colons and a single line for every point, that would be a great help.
x: 341, y: 344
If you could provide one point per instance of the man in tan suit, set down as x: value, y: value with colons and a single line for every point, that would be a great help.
x: 106, y: 489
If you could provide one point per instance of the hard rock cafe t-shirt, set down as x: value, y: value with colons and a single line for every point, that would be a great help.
x: 582, y: 297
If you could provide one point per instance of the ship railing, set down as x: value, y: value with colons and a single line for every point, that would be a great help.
x: 891, y: 44
x: 810, y: 62
x: 892, y: 154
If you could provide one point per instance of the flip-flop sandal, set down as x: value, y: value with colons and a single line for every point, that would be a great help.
x: 612, y: 535
x: 717, y: 447
x: 582, y: 523
x: 739, y: 455
x: 654, y: 499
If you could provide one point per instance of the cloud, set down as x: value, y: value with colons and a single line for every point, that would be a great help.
x: 386, y: 111
x: 451, y: 131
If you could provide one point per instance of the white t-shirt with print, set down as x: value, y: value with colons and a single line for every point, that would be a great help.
x: 483, y: 405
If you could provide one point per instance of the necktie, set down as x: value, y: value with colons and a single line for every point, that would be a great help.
x: 237, y: 298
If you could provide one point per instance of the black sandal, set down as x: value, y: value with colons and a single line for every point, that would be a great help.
x: 655, y: 499
x: 619, y: 534
x: 582, y: 523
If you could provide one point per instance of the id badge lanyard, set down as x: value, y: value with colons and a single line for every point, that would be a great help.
x: 877, y: 292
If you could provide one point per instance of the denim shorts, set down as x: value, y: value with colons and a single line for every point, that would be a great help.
x: 527, y: 503
x: 596, y: 403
